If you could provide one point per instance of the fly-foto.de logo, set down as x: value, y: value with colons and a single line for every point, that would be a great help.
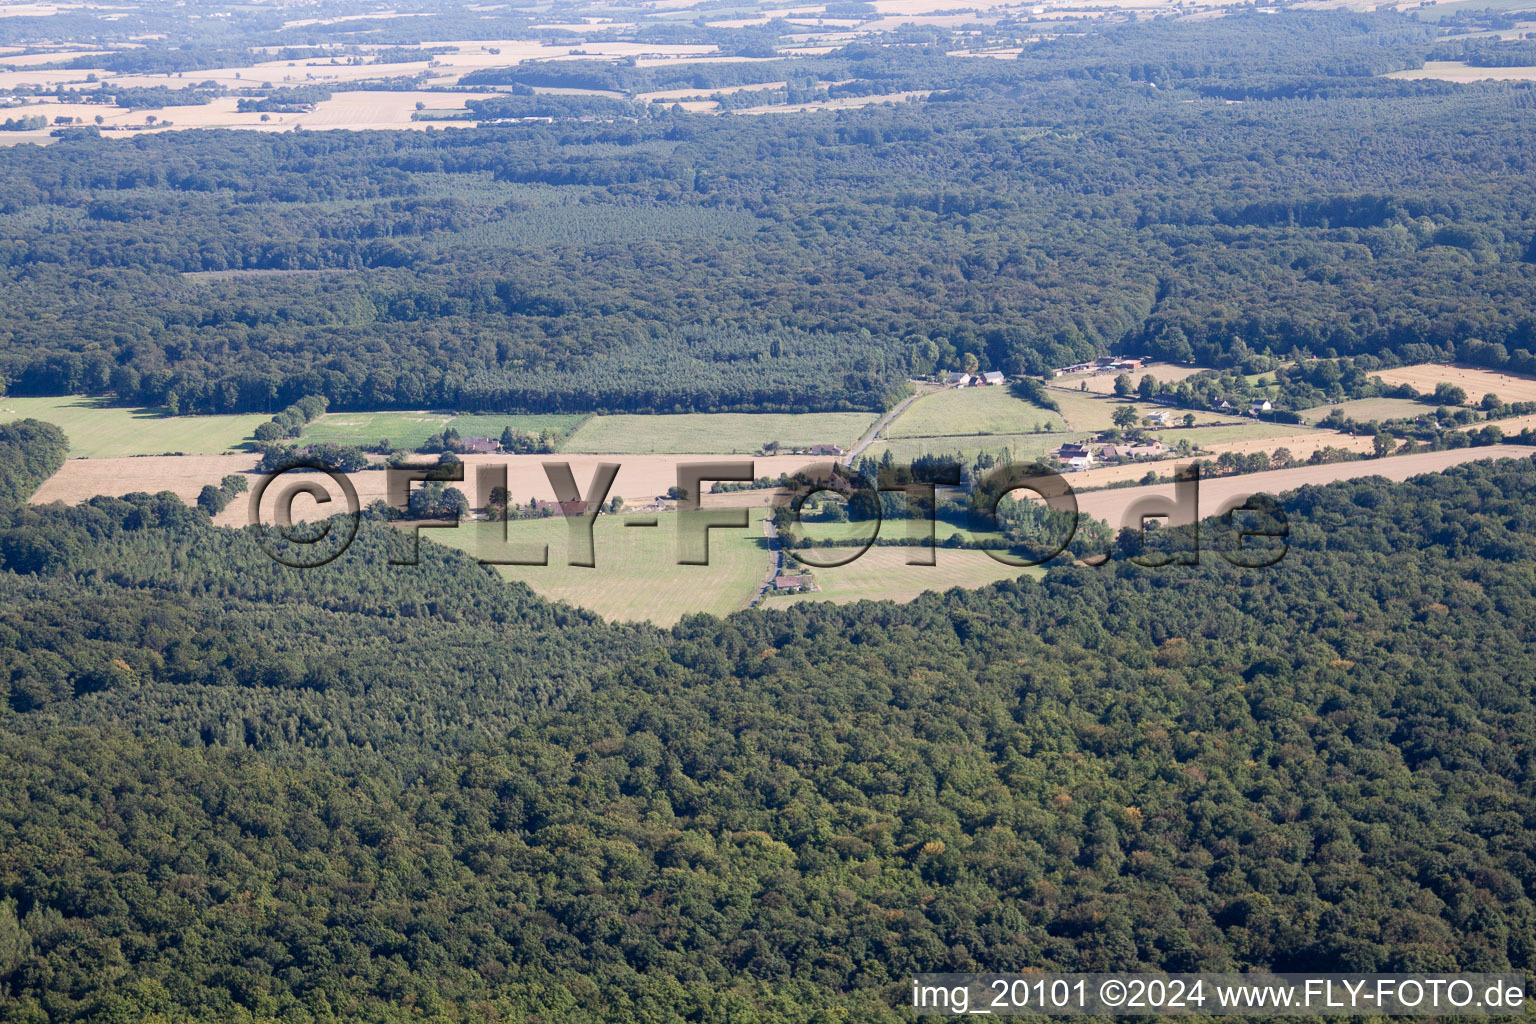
x: 1156, y: 530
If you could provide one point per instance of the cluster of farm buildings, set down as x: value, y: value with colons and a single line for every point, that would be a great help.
x: 1083, y: 455
x: 960, y: 379
x: 1104, y: 364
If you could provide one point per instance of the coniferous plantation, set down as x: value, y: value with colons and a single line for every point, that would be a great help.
x: 235, y: 791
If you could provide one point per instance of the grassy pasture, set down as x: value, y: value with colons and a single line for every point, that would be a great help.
x: 881, y: 574
x: 492, y: 424
x: 1227, y: 432
x: 98, y: 431
x: 410, y: 430
x: 890, y: 529
x: 1021, y: 447
x: 1086, y: 412
x: 1366, y: 409
x: 403, y: 429
x: 715, y: 433
x: 637, y: 577
x: 956, y: 411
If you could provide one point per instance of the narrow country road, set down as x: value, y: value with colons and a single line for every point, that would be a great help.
x: 885, y: 421
x: 775, y: 563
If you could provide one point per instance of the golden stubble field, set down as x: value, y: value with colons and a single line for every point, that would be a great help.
x: 1474, y: 380
x: 1299, y: 445
x: 1457, y: 71
x: 641, y: 478
x: 1222, y: 492
x: 357, y: 110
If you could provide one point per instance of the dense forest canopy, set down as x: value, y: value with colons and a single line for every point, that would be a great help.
x: 232, y: 791
x: 1197, y: 192
x: 30, y: 452
x: 368, y: 792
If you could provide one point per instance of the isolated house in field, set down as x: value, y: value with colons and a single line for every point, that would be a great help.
x: 826, y: 449
x: 992, y: 377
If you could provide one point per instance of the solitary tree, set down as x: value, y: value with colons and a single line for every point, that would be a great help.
x: 210, y: 500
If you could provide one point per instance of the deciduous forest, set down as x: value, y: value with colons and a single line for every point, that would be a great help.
x: 1200, y: 192
x: 235, y: 791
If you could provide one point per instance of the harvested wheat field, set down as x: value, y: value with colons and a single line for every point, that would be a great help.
x: 43, y: 79
x: 1474, y: 380
x: 1300, y: 446
x: 1459, y: 71
x: 1513, y: 425
x: 26, y: 60
x: 1221, y: 493
x: 357, y: 110
x: 82, y: 479
x: 846, y: 103
x: 366, y: 109
x: 641, y: 478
